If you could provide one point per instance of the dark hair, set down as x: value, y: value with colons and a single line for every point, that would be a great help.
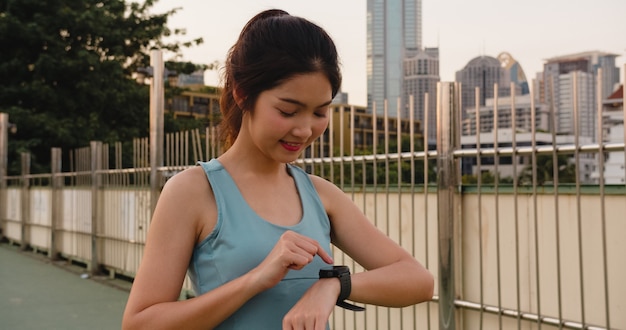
x: 272, y: 47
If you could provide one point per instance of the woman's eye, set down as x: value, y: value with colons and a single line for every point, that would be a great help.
x: 322, y: 112
x: 286, y: 114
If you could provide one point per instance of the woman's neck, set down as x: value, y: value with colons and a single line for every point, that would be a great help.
x: 240, y: 160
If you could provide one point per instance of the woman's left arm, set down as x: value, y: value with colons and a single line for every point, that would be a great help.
x: 393, y: 277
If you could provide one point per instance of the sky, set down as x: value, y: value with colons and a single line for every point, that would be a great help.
x: 531, y: 31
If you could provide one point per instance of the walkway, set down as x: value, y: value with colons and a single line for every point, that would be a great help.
x: 36, y: 293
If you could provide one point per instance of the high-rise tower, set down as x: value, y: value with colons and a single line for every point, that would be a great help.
x: 483, y: 72
x: 394, y: 27
x: 421, y: 75
x: 559, y: 75
x: 397, y: 64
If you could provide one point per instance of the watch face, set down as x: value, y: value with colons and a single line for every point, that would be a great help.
x: 335, y: 271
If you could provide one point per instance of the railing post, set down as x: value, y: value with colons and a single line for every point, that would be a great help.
x: 56, y: 207
x: 96, y: 164
x: 4, y: 161
x: 156, y: 125
x: 448, y: 202
x: 25, y: 200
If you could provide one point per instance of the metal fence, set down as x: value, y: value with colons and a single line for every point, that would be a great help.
x: 506, y: 255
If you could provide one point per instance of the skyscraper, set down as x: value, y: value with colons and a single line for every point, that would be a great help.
x: 421, y: 75
x: 393, y: 26
x: 516, y: 73
x: 588, y: 62
x: 562, y: 73
x: 397, y: 65
x: 483, y: 72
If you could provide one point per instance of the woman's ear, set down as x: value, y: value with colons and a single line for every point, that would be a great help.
x: 238, y: 97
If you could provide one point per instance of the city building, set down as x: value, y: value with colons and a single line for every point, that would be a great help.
x: 201, y: 103
x: 362, y: 136
x: 523, y: 116
x: 193, y: 79
x: 421, y: 75
x: 589, y: 62
x: 515, y: 71
x: 340, y: 98
x: 575, y: 91
x: 614, y: 171
x: 144, y: 75
x: 570, y: 85
x: 505, y: 138
x: 397, y: 64
x: 393, y: 28
x: 484, y: 73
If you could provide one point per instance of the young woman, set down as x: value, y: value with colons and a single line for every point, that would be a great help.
x: 253, y: 231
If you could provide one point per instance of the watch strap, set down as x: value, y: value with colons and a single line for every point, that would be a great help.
x: 343, y: 274
x: 346, y: 305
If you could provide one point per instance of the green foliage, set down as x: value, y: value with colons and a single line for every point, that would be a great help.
x: 384, y: 171
x: 486, y: 178
x: 545, y: 171
x: 189, y: 67
x: 182, y: 124
x: 66, y: 71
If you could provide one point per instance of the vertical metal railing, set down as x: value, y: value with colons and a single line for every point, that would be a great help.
x: 479, y: 180
x: 96, y: 166
x: 578, y: 199
x: 4, y: 162
x: 514, y: 160
x: 448, y: 112
x: 535, y: 218
x: 555, y: 194
x: 156, y: 124
x: 425, y: 173
x: 624, y: 116
x: 56, y: 201
x: 25, y: 198
x: 496, y: 186
x: 600, y: 141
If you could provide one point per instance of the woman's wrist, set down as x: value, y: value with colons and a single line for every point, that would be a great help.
x: 254, y: 283
x: 331, y: 285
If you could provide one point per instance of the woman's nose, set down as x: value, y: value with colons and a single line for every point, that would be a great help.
x: 303, y: 128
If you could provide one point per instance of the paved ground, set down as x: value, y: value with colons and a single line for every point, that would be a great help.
x: 36, y: 293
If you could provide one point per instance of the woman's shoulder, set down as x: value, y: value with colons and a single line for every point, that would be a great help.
x: 192, y: 179
x: 187, y: 187
x: 329, y: 193
x: 318, y: 181
x: 189, y: 196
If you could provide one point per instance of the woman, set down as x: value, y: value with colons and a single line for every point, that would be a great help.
x: 253, y: 231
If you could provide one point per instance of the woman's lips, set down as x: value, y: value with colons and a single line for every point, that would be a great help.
x: 291, y: 146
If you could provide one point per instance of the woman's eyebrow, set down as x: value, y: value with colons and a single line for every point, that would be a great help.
x: 296, y: 102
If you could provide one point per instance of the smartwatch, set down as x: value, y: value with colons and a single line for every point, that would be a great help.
x: 343, y: 274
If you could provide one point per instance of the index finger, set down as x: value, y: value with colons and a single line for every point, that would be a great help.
x: 318, y: 248
x: 324, y: 255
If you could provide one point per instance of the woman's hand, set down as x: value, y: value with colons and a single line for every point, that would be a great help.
x: 312, y: 311
x: 292, y: 251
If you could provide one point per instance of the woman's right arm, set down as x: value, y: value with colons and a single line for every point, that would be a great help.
x: 186, y: 210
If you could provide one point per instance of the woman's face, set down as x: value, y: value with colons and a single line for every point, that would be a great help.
x: 289, y: 117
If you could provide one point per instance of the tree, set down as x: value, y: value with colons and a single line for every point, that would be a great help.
x: 545, y: 171
x: 486, y: 177
x: 66, y: 70
x: 383, y: 174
